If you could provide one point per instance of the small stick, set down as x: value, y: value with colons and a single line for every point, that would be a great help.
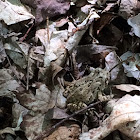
x: 28, y: 67
x: 48, y: 33
x: 121, y: 63
x: 46, y: 133
x: 24, y: 37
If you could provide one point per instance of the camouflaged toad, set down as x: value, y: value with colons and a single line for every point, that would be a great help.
x: 82, y: 92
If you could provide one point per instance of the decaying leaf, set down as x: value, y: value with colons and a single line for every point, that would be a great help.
x: 71, y: 132
x: 132, y: 67
x: 93, y: 53
x: 7, y: 83
x: 135, y: 23
x: 7, y: 130
x: 125, y: 110
x: 36, y: 103
x: 47, y: 8
x: 55, y: 47
x: 12, y: 12
x: 56, y: 69
x: 18, y: 112
x: 17, y: 51
x: 32, y: 125
x: 112, y: 60
x: 105, y: 19
x: 128, y: 7
x: 39, y: 63
x: 127, y: 87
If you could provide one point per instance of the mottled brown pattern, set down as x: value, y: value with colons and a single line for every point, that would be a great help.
x: 84, y: 91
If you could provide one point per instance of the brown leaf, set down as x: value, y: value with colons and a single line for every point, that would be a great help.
x: 105, y: 19
x: 37, y: 103
x: 47, y: 8
x: 32, y: 125
x: 71, y: 132
x: 57, y: 71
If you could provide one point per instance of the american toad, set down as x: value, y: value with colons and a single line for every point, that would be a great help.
x: 82, y: 92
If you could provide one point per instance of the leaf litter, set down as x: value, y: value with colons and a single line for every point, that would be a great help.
x: 64, y: 43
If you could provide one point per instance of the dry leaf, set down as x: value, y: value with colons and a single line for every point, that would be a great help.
x: 13, y: 13
x: 36, y: 103
x: 47, y: 8
x: 127, y: 87
x: 7, y: 130
x: 61, y: 22
x: 7, y: 83
x: 134, y: 22
x: 56, y: 69
x: 32, y: 125
x: 71, y: 132
x: 105, y: 19
x: 125, y: 110
x: 127, y: 8
x: 112, y: 60
x: 132, y: 68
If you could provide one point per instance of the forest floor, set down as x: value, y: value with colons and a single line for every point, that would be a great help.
x: 69, y: 70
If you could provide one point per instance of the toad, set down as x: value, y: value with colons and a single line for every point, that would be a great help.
x: 82, y: 92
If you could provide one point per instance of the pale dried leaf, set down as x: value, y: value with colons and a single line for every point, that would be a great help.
x: 61, y: 22
x: 127, y: 8
x: 131, y: 130
x: 127, y: 87
x: 75, y: 39
x: 92, y: 1
x: 7, y: 130
x: 61, y: 100
x: 125, y: 110
x: 135, y: 23
x: 36, y: 56
x: 59, y: 113
x: 131, y: 68
x: 112, y: 60
x: 55, y: 48
x: 38, y: 50
x: 13, y: 12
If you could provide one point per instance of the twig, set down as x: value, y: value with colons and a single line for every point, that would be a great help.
x: 121, y: 63
x: 24, y: 37
x: 28, y: 66
x: 75, y: 67
x: 46, y: 133
x: 48, y: 33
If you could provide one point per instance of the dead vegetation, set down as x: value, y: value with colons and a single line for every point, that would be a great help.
x: 69, y: 69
